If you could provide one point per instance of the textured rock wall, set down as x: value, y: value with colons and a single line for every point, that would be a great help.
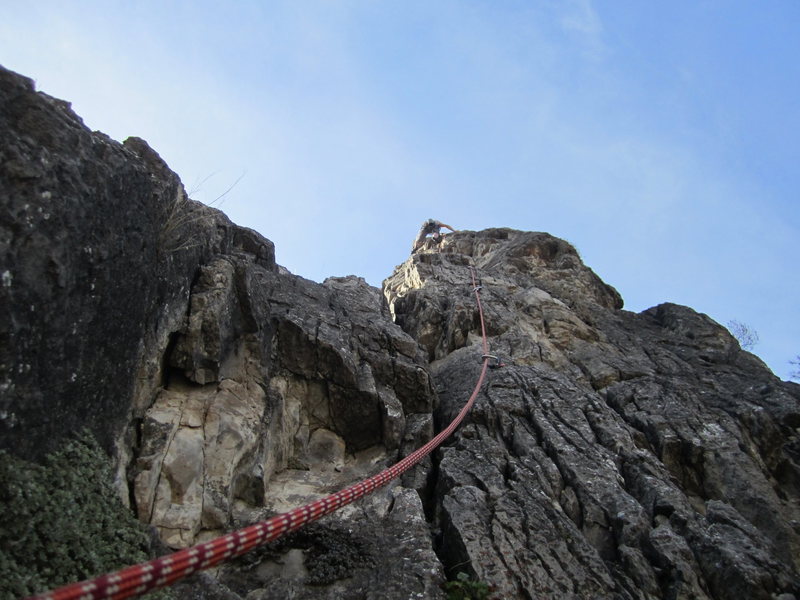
x: 616, y: 455
x: 316, y: 380
x: 98, y: 249
x: 224, y: 387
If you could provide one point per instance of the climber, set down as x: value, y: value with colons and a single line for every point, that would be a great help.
x: 430, y: 227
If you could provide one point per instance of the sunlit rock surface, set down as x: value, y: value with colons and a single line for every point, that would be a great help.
x: 615, y: 454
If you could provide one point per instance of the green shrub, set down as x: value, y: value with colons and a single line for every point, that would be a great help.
x: 464, y: 588
x: 62, y: 522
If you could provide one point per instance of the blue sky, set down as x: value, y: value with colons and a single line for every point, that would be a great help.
x: 662, y: 139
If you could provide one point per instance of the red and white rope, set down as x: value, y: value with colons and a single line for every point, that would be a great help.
x: 164, y: 571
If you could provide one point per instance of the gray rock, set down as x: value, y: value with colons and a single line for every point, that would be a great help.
x: 335, y: 560
x: 614, y: 455
x: 269, y: 373
x: 99, y: 245
x: 224, y: 386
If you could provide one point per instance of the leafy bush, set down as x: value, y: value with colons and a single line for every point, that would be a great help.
x: 464, y: 588
x: 62, y: 522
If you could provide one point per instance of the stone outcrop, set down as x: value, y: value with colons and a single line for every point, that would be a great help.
x: 99, y: 247
x: 273, y: 374
x: 224, y: 387
x: 613, y: 455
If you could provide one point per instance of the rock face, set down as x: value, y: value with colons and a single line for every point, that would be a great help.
x: 613, y: 455
x: 99, y: 248
x: 272, y: 374
x: 224, y: 387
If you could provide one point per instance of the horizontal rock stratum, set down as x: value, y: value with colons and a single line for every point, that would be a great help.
x: 612, y: 455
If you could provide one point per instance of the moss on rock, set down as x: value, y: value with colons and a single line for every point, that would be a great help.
x: 62, y: 522
x: 330, y: 553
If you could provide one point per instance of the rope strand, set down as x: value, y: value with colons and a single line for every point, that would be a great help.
x: 164, y: 571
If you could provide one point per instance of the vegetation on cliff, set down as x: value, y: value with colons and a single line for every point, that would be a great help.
x: 62, y: 521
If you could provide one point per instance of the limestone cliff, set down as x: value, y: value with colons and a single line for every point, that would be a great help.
x: 613, y: 455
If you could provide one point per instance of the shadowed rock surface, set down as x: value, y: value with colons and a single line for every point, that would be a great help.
x: 614, y: 455
x: 100, y: 246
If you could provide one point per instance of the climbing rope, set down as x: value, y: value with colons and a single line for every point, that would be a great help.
x: 164, y: 571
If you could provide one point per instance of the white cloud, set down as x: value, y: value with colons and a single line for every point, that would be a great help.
x: 579, y: 16
x: 583, y: 25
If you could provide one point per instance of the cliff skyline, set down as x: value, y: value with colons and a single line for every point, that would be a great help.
x: 656, y: 140
x: 165, y: 381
